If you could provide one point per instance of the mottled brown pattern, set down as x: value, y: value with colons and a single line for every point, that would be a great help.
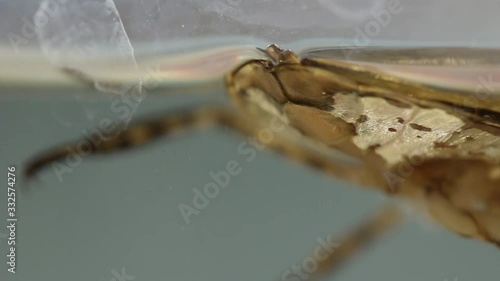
x: 362, y: 119
x: 420, y: 127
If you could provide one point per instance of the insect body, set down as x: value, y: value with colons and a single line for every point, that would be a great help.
x: 422, y: 149
x: 430, y: 144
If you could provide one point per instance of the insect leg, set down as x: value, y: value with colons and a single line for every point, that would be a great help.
x: 144, y: 131
x: 360, y: 238
x: 139, y: 133
x: 358, y: 173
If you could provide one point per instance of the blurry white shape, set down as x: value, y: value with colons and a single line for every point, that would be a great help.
x: 72, y: 34
x: 151, y: 7
x: 232, y: 7
x: 228, y: 8
x: 352, y: 15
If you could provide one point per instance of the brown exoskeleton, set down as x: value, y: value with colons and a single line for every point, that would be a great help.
x: 431, y: 144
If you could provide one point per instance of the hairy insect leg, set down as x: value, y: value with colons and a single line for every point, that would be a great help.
x: 139, y: 133
x: 357, y: 240
x: 142, y: 132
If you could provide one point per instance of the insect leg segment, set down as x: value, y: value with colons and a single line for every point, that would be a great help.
x: 138, y: 134
x: 359, y: 174
x: 365, y: 235
x: 143, y: 132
